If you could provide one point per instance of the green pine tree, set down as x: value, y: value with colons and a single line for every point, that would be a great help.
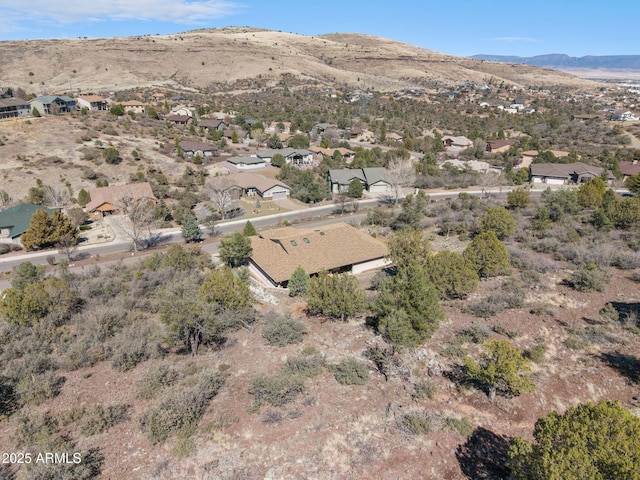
x: 298, y: 282
x: 190, y: 228
x: 488, y: 255
x: 335, y: 295
x: 83, y: 197
x: 249, y: 230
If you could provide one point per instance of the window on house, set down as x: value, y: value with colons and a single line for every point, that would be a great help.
x: 293, y: 242
x: 306, y: 240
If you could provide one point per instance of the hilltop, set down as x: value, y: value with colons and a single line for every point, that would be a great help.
x: 209, y: 59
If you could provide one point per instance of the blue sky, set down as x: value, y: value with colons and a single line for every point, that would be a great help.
x: 463, y: 27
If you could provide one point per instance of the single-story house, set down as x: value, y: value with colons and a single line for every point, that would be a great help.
x: 629, y: 169
x: 332, y: 248
x: 213, y: 124
x: 394, y: 137
x: 347, y: 154
x: 530, y: 155
x: 475, y: 165
x: 52, y: 104
x: 563, y: 173
x: 373, y: 179
x: 498, y: 146
x: 133, y: 106
x: 114, y: 199
x: 247, y: 163
x: 251, y: 184
x: 191, y: 149
x: 179, y: 119
x: 14, y: 107
x: 292, y: 156
x: 278, y: 127
x: 460, y: 142
x: 14, y: 221
x: 92, y: 102
x: 181, y: 110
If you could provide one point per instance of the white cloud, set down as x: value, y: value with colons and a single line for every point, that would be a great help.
x: 74, y: 11
x: 517, y: 39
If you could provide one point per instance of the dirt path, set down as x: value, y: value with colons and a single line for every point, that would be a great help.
x: 635, y: 141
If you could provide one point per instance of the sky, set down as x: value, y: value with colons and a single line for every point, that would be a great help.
x: 462, y: 27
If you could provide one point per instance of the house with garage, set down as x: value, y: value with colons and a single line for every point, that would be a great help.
x: 333, y: 248
x: 566, y: 173
x: 14, y: 107
x: 248, y: 184
x: 292, y: 156
x: 14, y: 221
x: 213, y: 124
x: 92, y: 102
x: 116, y: 199
x: 247, y: 163
x: 373, y: 179
x: 179, y: 119
x: 192, y: 148
x: 53, y: 104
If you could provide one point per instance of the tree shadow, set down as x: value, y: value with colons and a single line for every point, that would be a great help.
x: 485, y: 455
x: 628, y: 313
x: 627, y: 365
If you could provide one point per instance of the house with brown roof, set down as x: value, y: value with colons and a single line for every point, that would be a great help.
x: 92, y: 102
x: 628, y: 169
x: 564, y: 173
x: 332, y: 248
x: 179, y: 119
x: 114, y: 199
x: 498, y: 146
x: 251, y: 184
x: 213, y: 124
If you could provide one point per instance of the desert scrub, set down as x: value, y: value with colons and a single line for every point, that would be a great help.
x: 280, y: 331
x: 155, y: 380
x: 463, y: 426
x: 96, y: 419
x: 415, y: 423
x: 180, y: 410
x: 276, y: 390
x: 305, y: 365
x: 424, y: 389
x: 350, y: 371
x: 536, y: 353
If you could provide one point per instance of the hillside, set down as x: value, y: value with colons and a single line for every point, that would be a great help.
x: 206, y: 59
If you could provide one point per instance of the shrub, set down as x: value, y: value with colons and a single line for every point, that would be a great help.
x: 276, y: 390
x: 454, y: 351
x: 181, y: 409
x: 590, y: 278
x: 156, y: 380
x: 350, y: 371
x: 134, y: 344
x: 37, y: 388
x: 463, y: 426
x: 305, y: 365
x: 415, y: 423
x: 281, y: 330
x: 536, y: 354
x: 424, y: 389
x: 95, y: 419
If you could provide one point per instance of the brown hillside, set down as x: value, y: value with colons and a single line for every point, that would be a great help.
x: 200, y: 59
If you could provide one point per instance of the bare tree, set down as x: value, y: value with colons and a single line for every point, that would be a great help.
x: 400, y: 173
x: 55, y: 196
x: 68, y: 245
x: 5, y: 199
x: 140, y: 212
x: 218, y: 191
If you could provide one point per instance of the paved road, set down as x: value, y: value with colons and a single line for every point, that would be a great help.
x: 309, y: 217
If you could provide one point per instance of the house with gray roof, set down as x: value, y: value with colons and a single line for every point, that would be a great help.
x: 373, y: 179
x: 14, y: 107
x: 53, y: 104
x: 247, y: 163
x: 292, y: 156
x: 564, y: 173
x: 15, y: 221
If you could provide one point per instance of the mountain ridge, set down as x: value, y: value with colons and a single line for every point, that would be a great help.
x: 559, y: 60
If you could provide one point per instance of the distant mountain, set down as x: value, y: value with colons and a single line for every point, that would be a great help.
x: 560, y: 61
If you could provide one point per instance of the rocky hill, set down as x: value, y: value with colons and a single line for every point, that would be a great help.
x: 209, y: 59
